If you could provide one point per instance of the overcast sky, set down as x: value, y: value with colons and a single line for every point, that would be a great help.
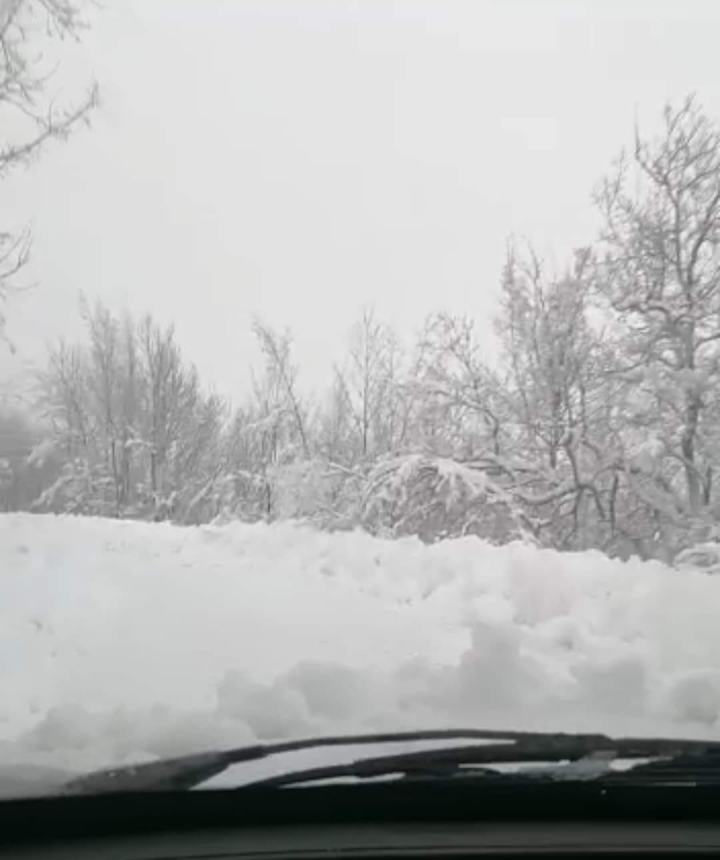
x: 299, y: 160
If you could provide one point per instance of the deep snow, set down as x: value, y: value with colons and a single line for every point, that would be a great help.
x: 122, y: 641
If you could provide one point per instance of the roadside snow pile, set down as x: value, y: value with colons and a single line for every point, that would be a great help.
x: 122, y: 641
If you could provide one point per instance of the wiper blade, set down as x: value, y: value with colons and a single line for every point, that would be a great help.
x: 500, y: 748
x: 691, y: 767
x: 579, y: 757
x: 188, y: 771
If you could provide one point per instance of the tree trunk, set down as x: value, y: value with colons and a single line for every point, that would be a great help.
x: 687, y: 443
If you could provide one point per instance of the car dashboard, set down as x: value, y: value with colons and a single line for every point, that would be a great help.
x: 423, y: 819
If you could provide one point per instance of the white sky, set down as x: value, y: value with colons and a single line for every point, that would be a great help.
x: 300, y: 159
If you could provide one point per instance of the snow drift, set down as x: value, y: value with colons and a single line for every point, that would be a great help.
x: 122, y: 640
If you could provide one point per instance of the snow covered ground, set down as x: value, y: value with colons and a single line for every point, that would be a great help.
x: 122, y: 641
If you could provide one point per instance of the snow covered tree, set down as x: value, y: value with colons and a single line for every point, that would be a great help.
x: 32, y: 114
x: 459, y: 409
x: 368, y: 384
x: 268, y: 434
x: 558, y: 397
x: 335, y: 425
x: 26, y: 465
x: 278, y: 392
x: 659, y: 275
x: 138, y: 435
x: 549, y: 351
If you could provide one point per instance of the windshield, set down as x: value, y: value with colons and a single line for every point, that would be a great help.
x: 359, y: 372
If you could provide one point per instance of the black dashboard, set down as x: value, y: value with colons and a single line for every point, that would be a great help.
x: 424, y: 819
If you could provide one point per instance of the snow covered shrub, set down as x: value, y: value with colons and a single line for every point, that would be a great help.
x: 701, y: 556
x: 436, y: 498
x: 300, y: 488
x: 81, y: 488
x: 237, y: 495
x: 314, y: 490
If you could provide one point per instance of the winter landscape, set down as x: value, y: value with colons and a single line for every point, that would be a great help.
x: 505, y: 519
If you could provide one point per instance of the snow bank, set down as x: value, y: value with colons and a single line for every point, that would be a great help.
x: 122, y: 641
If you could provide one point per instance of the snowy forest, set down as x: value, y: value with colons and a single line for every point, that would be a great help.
x: 598, y: 426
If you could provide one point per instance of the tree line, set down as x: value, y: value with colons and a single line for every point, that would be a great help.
x: 597, y: 427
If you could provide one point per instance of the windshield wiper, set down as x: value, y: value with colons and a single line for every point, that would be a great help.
x: 537, y: 756
x: 591, y: 754
x: 191, y: 770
